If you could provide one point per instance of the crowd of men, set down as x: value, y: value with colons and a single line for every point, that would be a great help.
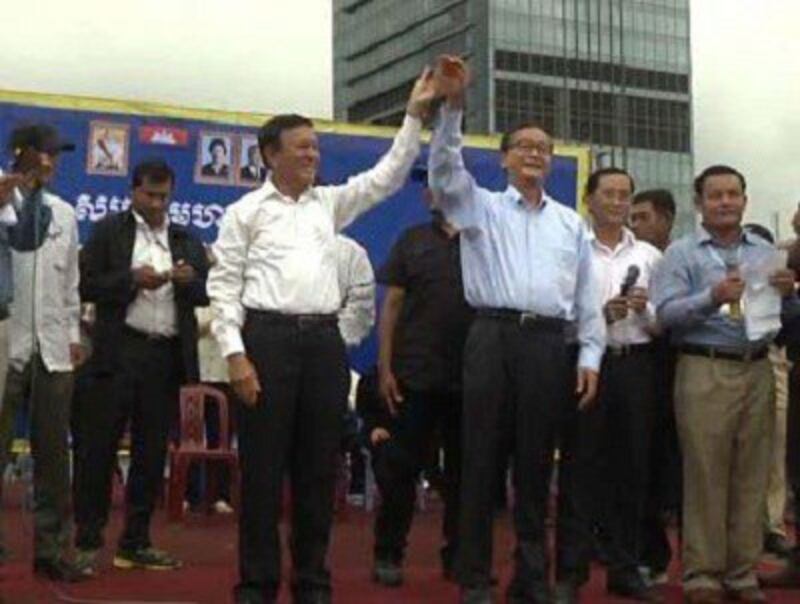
x: 513, y: 333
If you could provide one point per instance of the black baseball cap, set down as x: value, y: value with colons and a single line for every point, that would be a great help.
x: 39, y: 137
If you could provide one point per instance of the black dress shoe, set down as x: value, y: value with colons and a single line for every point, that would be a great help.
x: 565, y: 593
x: 387, y: 573
x: 777, y: 545
x: 58, y: 570
x: 475, y: 595
x: 634, y: 589
x: 251, y: 598
x: 312, y: 597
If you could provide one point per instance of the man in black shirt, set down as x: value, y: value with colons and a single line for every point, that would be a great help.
x: 422, y: 331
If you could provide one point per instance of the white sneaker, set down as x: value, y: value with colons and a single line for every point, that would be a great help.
x: 222, y: 507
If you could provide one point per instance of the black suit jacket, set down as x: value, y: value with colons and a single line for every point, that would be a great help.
x: 107, y: 280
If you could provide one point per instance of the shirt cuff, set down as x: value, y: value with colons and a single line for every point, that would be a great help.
x: 411, y: 125
x: 589, y: 358
x: 8, y: 215
x: 230, y: 342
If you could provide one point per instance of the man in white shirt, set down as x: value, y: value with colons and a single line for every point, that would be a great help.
x: 44, y: 346
x: 619, y: 443
x: 145, y: 275
x: 275, y: 294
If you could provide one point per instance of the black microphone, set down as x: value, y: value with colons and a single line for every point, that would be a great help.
x: 630, y: 279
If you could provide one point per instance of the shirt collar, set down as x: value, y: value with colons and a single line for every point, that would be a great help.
x: 512, y: 194
x: 269, y: 192
x: 628, y: 239
x: 705, y: 238
x: 160, y: 234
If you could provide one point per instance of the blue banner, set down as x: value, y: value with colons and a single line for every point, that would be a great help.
x: 215, y: 164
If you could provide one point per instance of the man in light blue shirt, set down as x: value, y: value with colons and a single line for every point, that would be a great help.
x: 724, y: 387
x: 528, y: 271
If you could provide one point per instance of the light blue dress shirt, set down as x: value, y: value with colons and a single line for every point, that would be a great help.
x: 513, y: 255
x: 682, y: 286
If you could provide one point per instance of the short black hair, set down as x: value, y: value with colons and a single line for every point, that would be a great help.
x: 760, y: 230
x: 155, y: 170
x: 662, y: 200
x: 505, y: 139
x: 270, y: 133
x: 717, y: 170
x: 596, y: 176
x: 217, y: 142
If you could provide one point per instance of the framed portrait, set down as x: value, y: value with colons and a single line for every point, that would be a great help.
x: 215, y: 153
x: 107, y: 150
x: 250, y: 169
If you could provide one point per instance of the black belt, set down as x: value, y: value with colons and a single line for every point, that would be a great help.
x: 624, y: 350
x: 300, y: 321
x: 712, y: 352
x: 150, y: 337
x: 528, y: 320
x: 4, y: 314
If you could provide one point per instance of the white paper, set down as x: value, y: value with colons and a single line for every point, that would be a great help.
x: 761, y: 302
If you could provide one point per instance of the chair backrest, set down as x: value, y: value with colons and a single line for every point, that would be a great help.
x: 193, y: 400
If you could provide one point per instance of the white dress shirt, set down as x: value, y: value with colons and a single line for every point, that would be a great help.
x: 357, y: 285
x: 46, y: 303
x: 153, y: 310
x: 275, y: 253
x: 611, y: 267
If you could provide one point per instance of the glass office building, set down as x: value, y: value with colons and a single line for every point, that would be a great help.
x: 613, y: 74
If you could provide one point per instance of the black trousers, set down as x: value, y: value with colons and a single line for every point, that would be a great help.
x: 666, y: 481
x: 144, y: 394
x: 295, y: 428
x: 793, y: 444
x: 627, y: 408
x: 526, y: 375
x: 398, y: 462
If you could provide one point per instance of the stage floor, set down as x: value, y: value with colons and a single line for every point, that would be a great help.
x: 207, y: 545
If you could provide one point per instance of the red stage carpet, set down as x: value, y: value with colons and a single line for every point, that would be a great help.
x: 207, y: 546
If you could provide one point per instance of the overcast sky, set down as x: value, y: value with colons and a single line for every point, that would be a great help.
x: 275, y: 55
x: 747, y: 97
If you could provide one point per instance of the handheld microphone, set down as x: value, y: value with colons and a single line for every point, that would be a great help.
x: 630, y: 279
x: 732, y: 270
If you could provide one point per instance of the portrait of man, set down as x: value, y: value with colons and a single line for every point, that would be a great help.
x: 251, y: 166
x: 107, y: 149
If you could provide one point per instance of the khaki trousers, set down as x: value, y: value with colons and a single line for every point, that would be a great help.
x: 724, y: 413
x: 776, y: 484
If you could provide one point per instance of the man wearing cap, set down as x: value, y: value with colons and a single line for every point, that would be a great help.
x: 423, y: 326
x: 44, y: 340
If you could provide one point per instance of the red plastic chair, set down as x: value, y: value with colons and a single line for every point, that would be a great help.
x: 193, y: 447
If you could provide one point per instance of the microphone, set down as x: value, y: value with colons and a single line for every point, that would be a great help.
x: 630, y: 279
x: 732, y: 270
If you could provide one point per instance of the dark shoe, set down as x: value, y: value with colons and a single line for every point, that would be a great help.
x: 475, y: 595
x: 634, y: 588
x: 148, y: 558
x: 86, y: 561
x: 249, y: 595
x: 387, y: 573
x: 565, y: 593
x: 749, y: 595
x: 312, y: 597
x: 703, y: 595
x: 58, y: 570
x: 537, y: 595
x: 777, y: 545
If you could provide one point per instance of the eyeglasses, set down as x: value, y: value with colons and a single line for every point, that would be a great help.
x: 542, y: 148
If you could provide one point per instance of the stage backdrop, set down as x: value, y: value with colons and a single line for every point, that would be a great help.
x: 213, y: 157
